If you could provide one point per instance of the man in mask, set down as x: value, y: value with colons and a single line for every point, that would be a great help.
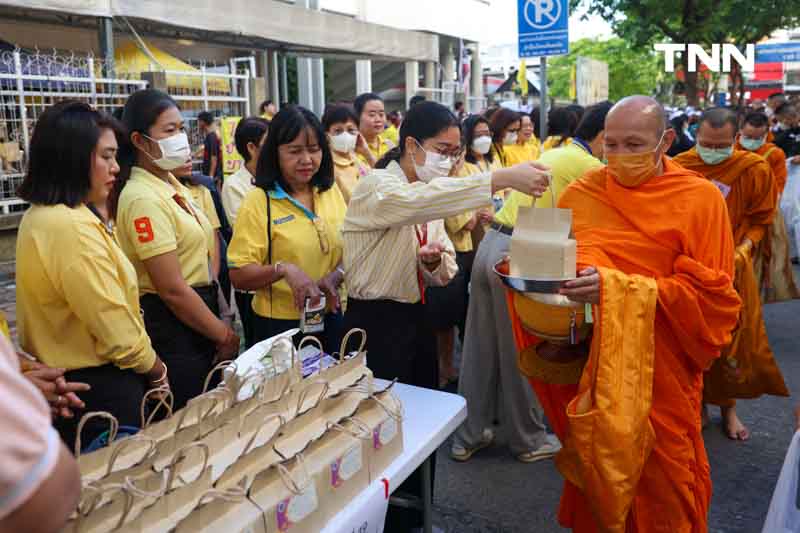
x: 753, y: 138
x: 746, y: 182
x: 787, y: 136
x: 663, y: 308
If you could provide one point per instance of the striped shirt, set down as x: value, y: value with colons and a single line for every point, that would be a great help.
x: 379, y: 235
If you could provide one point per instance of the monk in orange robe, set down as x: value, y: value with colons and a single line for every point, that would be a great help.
x: 773, y: 268
x: 663, y: 306
x: 746, y: 182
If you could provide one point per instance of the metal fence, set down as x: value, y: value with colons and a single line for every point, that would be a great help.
x: 30, y: 83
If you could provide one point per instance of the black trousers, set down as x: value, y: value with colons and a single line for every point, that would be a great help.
x: 400, y: 344
x: 189, y: 355
x: 331, y: 337
x: 244, y: 303
x: 117, y: 391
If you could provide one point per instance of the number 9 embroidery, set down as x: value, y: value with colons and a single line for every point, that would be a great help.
x: 144, y: 229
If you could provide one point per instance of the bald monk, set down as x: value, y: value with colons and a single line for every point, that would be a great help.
x: 664, y: 306
x: 745, y: 180
x: 774, y: 270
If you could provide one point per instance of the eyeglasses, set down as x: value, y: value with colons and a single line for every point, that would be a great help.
x: 455, y: 155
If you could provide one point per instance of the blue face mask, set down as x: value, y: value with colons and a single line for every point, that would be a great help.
x: 714, y: 156
x: 751, y: 144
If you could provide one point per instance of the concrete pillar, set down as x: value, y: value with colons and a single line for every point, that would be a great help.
x: 155, y: 80
x: 284, y: 80
x: 305, y: 83
x: 430, y: 74
x: 311, y: 75
x: 262, y: 63
x: 105, y: 29
x: 412, y: 80
x: 318, y: 73
x: 476, y: 73
x: 273, y: 78
x: 363, y: 76
x: 448, y: 64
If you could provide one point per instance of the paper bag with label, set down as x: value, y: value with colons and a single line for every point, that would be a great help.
x: 288, y: 495
x: 224, y: 510
x: 382, y: 415
x: 540, y: 245
x: 338, y: 464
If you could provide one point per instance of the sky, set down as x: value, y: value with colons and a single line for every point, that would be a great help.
x: 503, y: 24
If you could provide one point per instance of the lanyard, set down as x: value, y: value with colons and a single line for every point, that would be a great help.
x: 422, y: 239
x: 583, y: 144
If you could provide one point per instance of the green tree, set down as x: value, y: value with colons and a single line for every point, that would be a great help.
x: 706, y: 22
x: 630, y: 70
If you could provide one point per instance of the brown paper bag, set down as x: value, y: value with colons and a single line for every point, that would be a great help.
x: 225, y: 447
x: 289, y: 498
x: 180, y: 497
x: 93, y: 516
x: 541, y: 247
x: 164, y: 428
x: 342, y: 405
x: 382, y: 414
x: 339, y: 466
x: 224, y: 510
x: 257, y: 456
x: 307, y: 425
x: 97, y: 464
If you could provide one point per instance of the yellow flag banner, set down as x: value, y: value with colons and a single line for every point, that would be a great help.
x: 522, y: 77
x: 231, y: 159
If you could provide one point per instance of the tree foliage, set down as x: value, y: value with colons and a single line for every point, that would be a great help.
x: 644, y: 22
x: 631, y: 70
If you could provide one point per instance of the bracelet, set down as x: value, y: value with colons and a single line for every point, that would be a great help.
x: 276, y: 266
x: 163, y: 377
x: 340, y: 270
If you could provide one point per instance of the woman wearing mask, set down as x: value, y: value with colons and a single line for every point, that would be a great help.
x: 286, y: 243
x: 171, y: 243
x: 505, y: 125
x: 372, y: 123
x: 395, y: 243
x: 341, y: 127
x: 77, y: 297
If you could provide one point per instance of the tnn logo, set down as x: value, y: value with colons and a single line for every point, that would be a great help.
x: 695, y: 51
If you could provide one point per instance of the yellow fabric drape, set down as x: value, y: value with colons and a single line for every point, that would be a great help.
x: 610, y: 435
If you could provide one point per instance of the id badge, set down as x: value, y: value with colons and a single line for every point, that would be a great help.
x: 313, y: 318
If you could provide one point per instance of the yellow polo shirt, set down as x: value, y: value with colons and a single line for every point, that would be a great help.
x: 202, y: 199
x: 297, y: 238
x: 151, y: 222
x: 519, y: 153
x: 552, y: 140
x: 347, y: 171
x: 567, y: 164
x: 392, y: 134
x: 4, y: 329
x: 77, y: 297
x: 378, y: 148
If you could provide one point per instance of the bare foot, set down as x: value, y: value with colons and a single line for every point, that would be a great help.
x: 705, y: 418
x: 734, y: 428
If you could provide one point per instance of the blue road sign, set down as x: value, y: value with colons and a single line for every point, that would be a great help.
x: 543, y: 27
x: 777, y: 52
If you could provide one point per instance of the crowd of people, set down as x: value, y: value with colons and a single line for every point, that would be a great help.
x: 130, y: 266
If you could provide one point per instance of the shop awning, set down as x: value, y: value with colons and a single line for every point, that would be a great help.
x: 130, y: 61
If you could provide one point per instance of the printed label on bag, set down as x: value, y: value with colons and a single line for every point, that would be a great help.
x: 384, y: 433
x: 346, y: 466
x: 295, y: 508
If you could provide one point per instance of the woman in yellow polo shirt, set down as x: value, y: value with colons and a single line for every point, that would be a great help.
x: 77, y: 297
x: 341, y: 126
x: 505, y: 125
x: 286, y: 242
x: 372, y: 123
x: 171, y: 243
x: 561, y: 124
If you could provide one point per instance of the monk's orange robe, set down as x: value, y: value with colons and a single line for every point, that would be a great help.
x: 752, y: 203
x: 675, y: 230
x: 777, y: 162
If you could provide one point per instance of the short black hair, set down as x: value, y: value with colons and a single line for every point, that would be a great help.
x: 338, y: 113
x: 206, y: 117
x: 468, y: 134
x: 786, y: 107
x: 249, y: 130
x: 776, y: 95
x: 757, y: 119
x: 263, y: 107
x: 61, y: 148
x: 423, y: 121
x: 593, y: 121
x: 717, y: 117
x: 361, y: 101
x: 284, y: 128
x: 458, y: 105
x: 500, y: 120
x: 416, y: 99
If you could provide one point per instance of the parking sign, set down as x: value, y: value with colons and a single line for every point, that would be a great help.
x: 543, y: 27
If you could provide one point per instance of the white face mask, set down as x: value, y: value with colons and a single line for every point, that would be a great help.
x: 436, y: 166
x: 175, y: 151
x: 482, y: 144
x: 510, y: 138
x: 343, y: 142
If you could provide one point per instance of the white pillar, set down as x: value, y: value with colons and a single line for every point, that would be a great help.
x: 412, y: 80
x: 430, y: 74
x: 318, y: 72
x: 448, y: 64
x: 305, y: 83
x: 274, y: 79
x: 363, y: 76
x: 476, y: 73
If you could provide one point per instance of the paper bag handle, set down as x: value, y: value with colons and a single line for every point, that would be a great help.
x: 301, y: 398
x: 363, y: 433
x: 258, y: 431
x: 167, y: 400
x: 126, y: 442
x: 343, y: 347
x: 179, y: 456
x: 394, y: 411
x: 289, y: 481
x: 112, y: 433
x: 222, y: 366
x: 136, y: 491
x: 233, y: 494
x: 96, y: 498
